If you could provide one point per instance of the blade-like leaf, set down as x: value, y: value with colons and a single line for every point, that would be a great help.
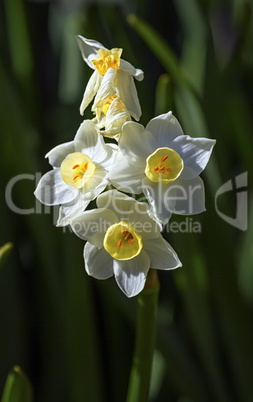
x: 17, y: 387
x: 4, y: 252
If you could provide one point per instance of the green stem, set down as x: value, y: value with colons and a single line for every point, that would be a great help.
x: 140, y: 375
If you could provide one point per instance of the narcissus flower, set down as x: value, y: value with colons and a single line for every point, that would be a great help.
x: 112, y: 72
x: 111, y: 114
x: 164, y: 164
x: 123, y: 240
x: 80, y: 172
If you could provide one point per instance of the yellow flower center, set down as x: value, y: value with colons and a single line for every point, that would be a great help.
x: 76, y: 169
x: 106, y: 106
x: 164, y: 165
x: 107, y: 59
x: 122, y: 242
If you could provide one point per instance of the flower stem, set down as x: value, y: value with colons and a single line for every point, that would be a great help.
x: 139, y: 383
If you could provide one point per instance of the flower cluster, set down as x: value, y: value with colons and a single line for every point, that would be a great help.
x: 123, y: 236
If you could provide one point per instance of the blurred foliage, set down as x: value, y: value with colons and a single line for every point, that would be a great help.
x: 17, y: 387
x: 71, y: 334
x: 4, y: 252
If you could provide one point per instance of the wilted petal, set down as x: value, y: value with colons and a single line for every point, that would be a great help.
x: 126, y: 90
x: 116, y: 116
x: 90, y: 90
x: 195, y: 153
x: 98, y: 263
x: 130, y: 69
x: 131, y: 274
x: 52, y: 190
x: 106, y: 89
x: 89, y: 49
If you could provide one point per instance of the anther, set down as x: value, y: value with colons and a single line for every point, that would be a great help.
x: 76, y: 166
x: 75, y: 177
x: 164, y: 158
x: 119, y: 243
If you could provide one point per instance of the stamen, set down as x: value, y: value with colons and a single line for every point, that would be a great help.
x: 159, y: 169
x: 76, y: 166
x: 85, y: 166
x: 78, y: 175
x: 128, y: 236
x: 122, y: 242
x: 164, y: 165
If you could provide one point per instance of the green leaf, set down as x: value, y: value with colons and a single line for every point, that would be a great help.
x: 161, y: 50
x: 17, y: 387
x: 4, y: 252
x: 163, y: 96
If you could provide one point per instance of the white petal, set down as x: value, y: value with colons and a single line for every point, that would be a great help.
x: 52, y: 190
x: 89, y: 49
x: 116, y: 116
x: 95, y: 185
x: 131, y: 274
x: 195, y: 153
x: 128, y: 209
x: 106, y: 89
x: 111, y: 156
x: 69, y: 211
x: 126, y: 90
x: 98, y: 263
x: 59, y: 153
x: 90, y: 142
x: 112, y: 198
x: 122, y: 205
x: 136, y: 143
x: 190, y: 197
x: 164, y: 129
x: 130, y: 69
x: 92, y: 225
x: 126, y: 177
x: 161, y: 254
x: 90, y: 90
x: 161, y: 197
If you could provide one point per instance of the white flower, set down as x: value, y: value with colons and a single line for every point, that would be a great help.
x: 123, y: 240
x: 111, y: 114
x: 110, y: 71
x: 80, y: 172
x: 164, y: 164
